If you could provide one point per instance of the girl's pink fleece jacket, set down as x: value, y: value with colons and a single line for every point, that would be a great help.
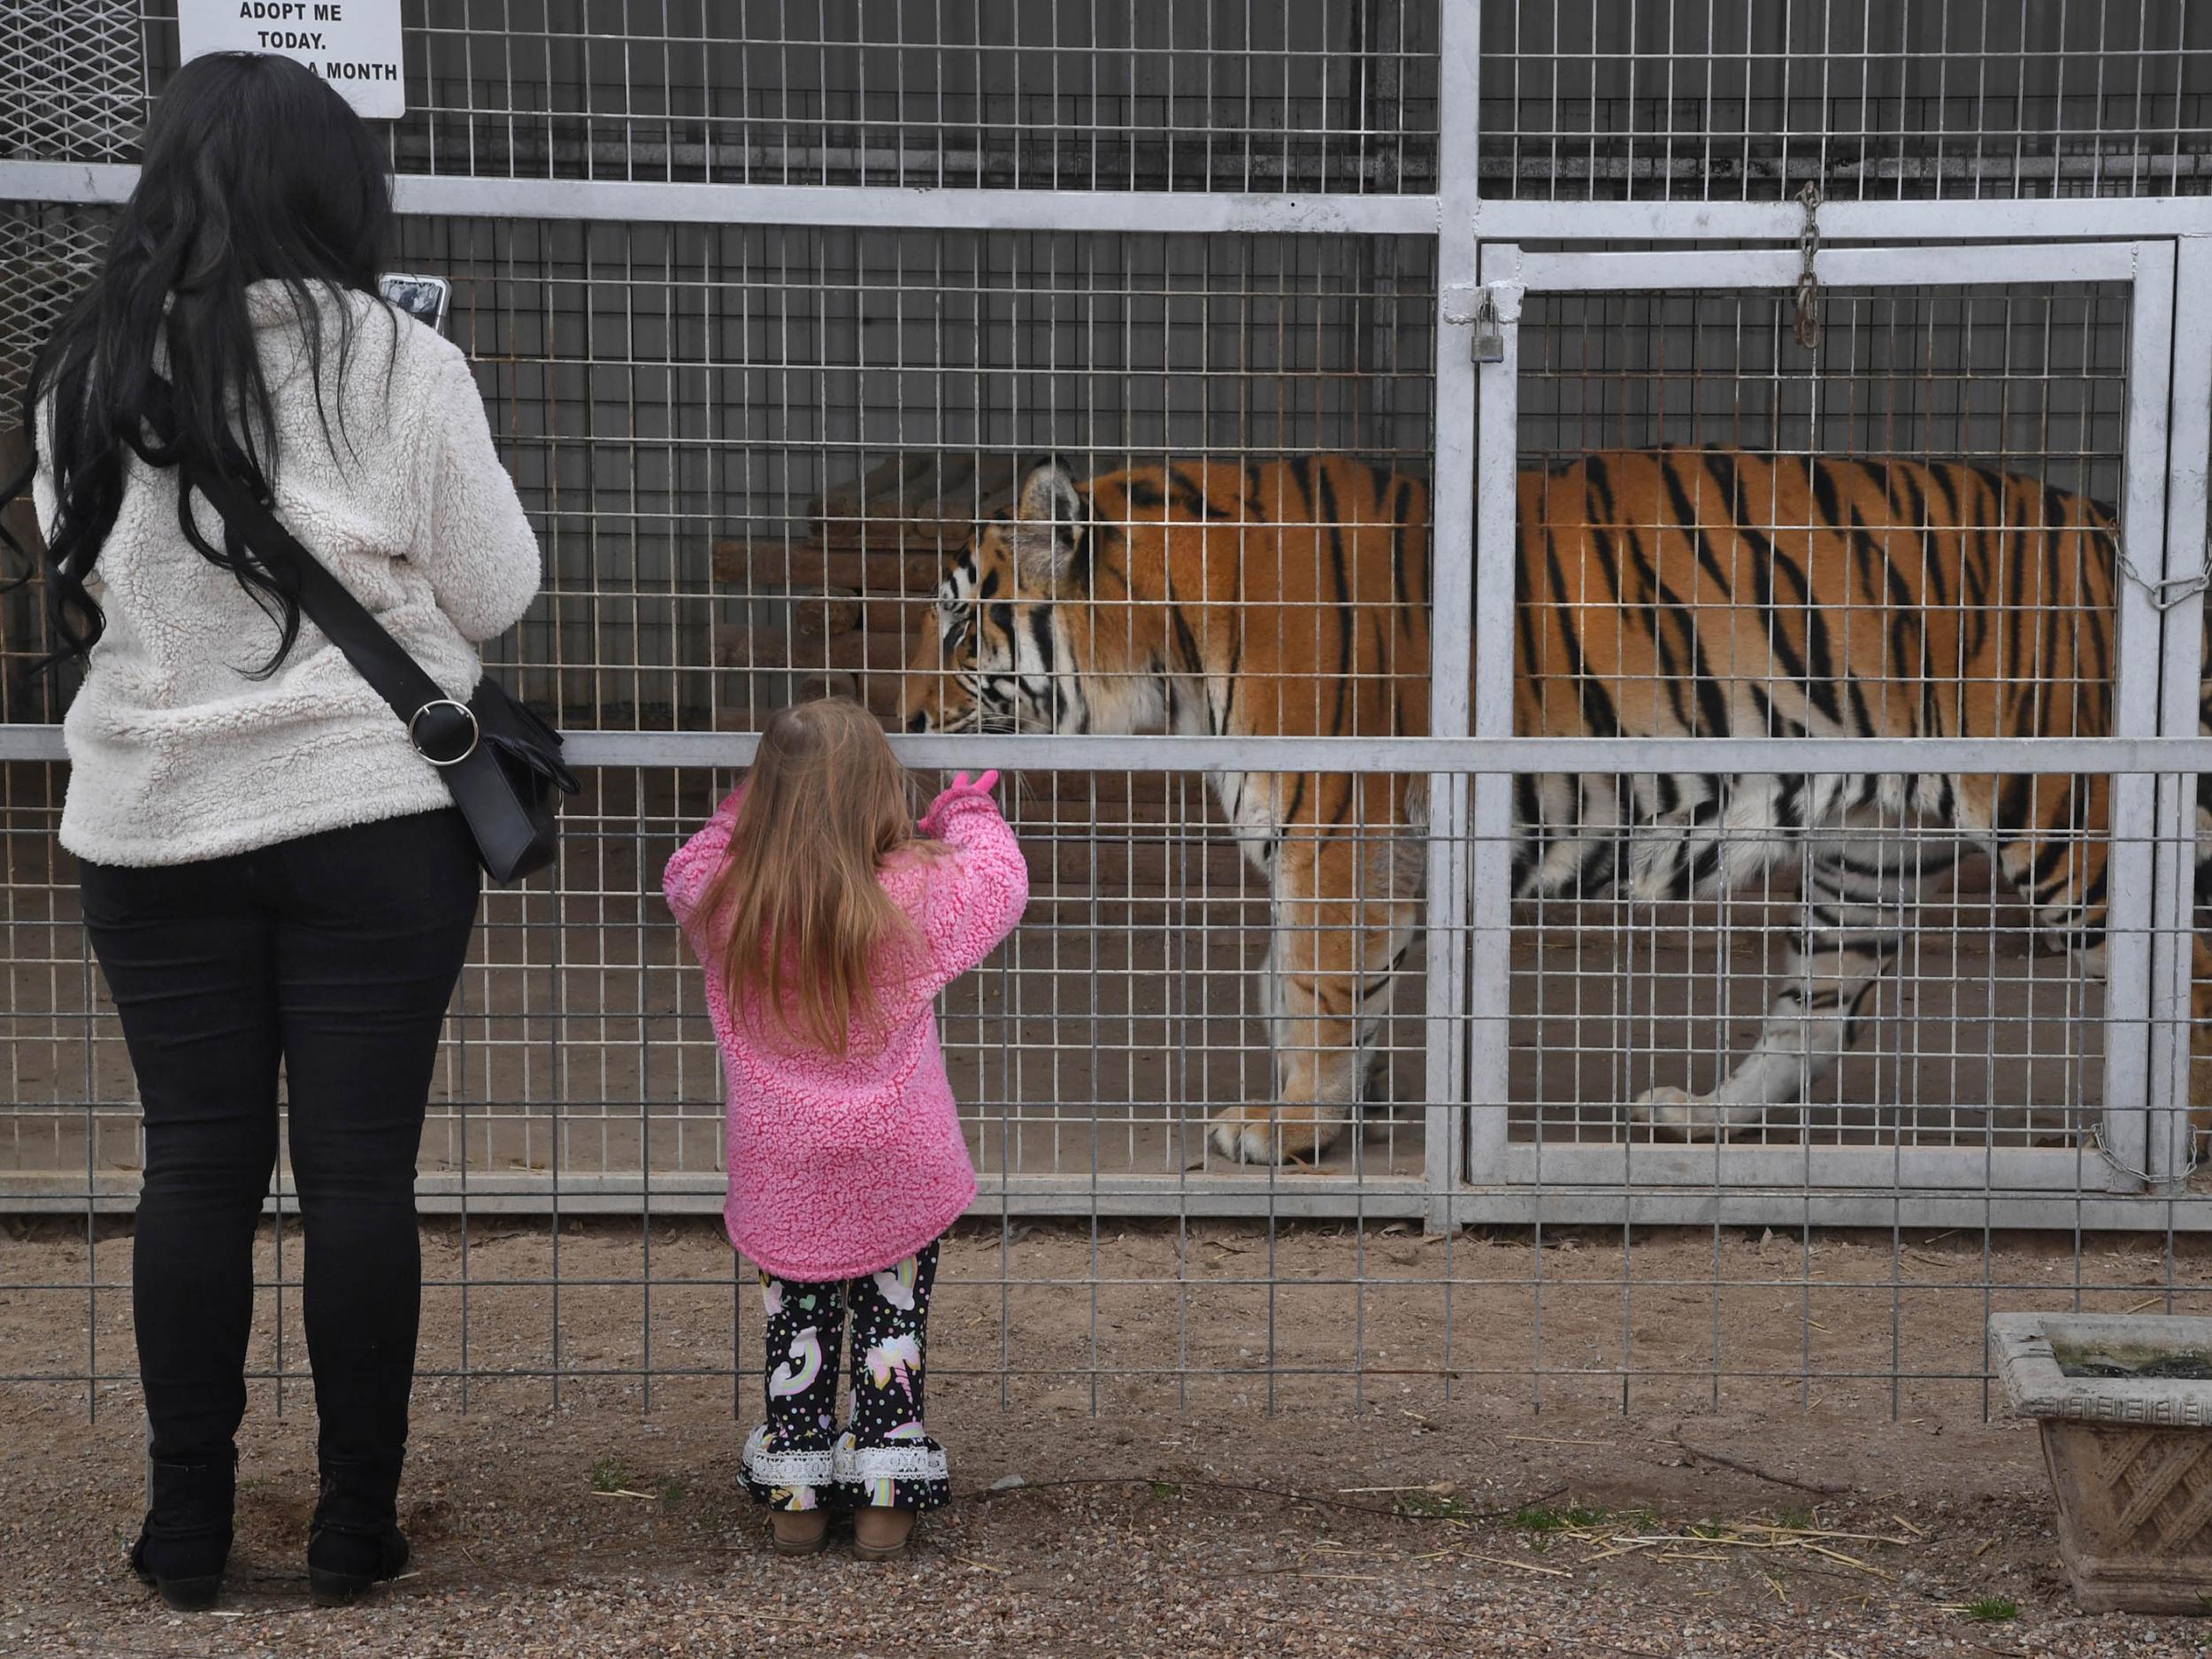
x: 842, y: 1167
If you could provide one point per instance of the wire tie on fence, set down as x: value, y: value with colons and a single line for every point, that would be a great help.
x: 1808, y: 284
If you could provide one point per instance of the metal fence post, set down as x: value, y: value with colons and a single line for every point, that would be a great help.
x: 1490, y: 855
x: 2173, y: 922
x: 2131, y: 918
x: 1451, y: 614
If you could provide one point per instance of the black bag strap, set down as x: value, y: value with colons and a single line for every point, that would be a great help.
x: 444, y: 731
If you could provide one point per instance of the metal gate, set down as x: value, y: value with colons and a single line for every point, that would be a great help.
x: 2124, y: 1125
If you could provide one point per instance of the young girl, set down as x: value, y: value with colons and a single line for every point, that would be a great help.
x: 828, y: 921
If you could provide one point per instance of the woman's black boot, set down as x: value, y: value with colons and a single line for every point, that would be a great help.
x: 185, y: 1543
x: 353, y: 1540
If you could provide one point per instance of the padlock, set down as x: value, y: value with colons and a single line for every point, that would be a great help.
x: 1489, y: 334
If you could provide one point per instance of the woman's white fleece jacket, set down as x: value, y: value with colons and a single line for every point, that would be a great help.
x: 177, y: 752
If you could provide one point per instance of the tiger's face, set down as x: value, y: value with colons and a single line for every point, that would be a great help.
x: 990, y: 655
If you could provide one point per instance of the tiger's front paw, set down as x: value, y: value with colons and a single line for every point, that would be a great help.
x: 1678, y: 1115
x: 1274, y: 1134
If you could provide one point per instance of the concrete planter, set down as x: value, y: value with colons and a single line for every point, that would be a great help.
x: 2129, y: 1449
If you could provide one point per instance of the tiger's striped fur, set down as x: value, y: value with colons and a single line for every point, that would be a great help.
x: 1670, y: 593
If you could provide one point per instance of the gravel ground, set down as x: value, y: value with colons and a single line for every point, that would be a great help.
x: 576, y: 1534
x: 1393, y: 1522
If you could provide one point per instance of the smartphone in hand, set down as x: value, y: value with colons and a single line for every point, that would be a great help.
x: 424, y: 298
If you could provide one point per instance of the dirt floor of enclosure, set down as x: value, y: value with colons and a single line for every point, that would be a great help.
x: 1123, y: 1379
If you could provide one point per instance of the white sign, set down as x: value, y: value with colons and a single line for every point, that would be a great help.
x: 353, y: 44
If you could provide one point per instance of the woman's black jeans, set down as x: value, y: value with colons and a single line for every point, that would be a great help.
x: 334, y: 954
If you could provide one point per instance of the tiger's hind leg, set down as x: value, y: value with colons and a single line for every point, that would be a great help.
x: 1346, y: 904
x: 1861, y: 883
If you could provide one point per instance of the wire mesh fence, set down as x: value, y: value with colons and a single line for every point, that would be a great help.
x: 1220, y: 545
x: 571, y: 1164
x: 1707, y: 100
x: 73, y: 83
x: 47, y: 253
x: 751, y: 450
x: 1132, y: 1027
x: 2025, y: 384
x: 1730, y: 100
x: 1330, y: 96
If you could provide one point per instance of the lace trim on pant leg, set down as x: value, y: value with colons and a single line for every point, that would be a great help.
x: 856, y: 1463
x: 769, y: 1468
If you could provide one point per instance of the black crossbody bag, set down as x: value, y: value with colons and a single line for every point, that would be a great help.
x: 501, y: 763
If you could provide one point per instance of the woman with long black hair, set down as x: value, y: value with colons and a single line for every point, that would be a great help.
x: 270, y: 873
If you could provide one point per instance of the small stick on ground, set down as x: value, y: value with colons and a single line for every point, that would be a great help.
x: 1517, y: 1566
x: 1823, y: 1488
x: 1550, y: 1439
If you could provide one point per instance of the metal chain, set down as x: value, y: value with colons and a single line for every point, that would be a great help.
x: 2167, y: 592
x: 2097, y: 1145
x: 1808, y: 284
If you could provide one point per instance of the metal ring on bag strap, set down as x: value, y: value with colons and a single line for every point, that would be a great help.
x: 476, y: 732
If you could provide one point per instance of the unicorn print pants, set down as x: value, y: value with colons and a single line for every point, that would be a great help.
x: 799, y: 1459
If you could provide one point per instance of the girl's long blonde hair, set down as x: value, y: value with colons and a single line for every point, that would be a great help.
x: 825, y: 804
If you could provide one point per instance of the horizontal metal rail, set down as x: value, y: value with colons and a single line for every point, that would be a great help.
x: 894, y: 208
x: 1562, y: 1203
x: 1048, y: 751
x: 863, y: 206
x: 2059, y: 219
x: 1681, y: 269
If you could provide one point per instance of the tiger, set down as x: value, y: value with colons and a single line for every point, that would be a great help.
x: 1676, y: 592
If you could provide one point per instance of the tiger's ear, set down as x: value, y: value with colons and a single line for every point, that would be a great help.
x: 1048, y: 530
